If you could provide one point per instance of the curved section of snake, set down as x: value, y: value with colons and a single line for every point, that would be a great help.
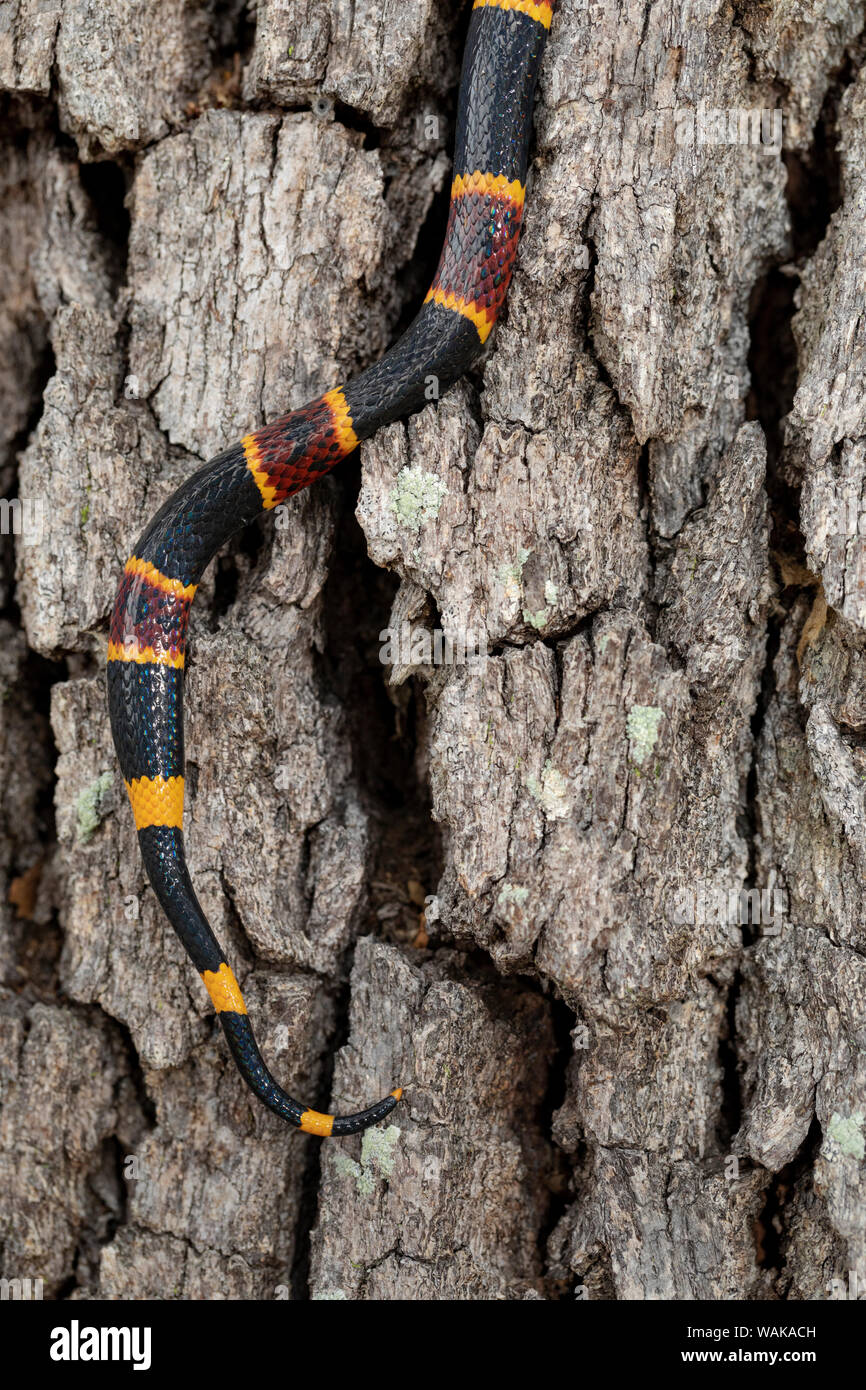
x: 149, y: 621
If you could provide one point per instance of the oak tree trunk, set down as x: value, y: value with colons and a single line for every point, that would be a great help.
x: 595, y: 897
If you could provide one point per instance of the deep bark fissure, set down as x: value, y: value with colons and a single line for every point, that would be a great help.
x: 107, y: 183
x: 731, y: 1110
x: 558, y: 1180
x: 813, y: 193
x: 771, y: 1234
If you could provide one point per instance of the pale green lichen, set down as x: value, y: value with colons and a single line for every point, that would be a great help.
x: 642, y: 726
x: 417, y: 497
x: 379, y: 1149
x: 511, y: 576
x: 346, y: 1167
x: 512, y: 893
x: 89, y: 808
x: 378, y: 1156
x: 365, y: 1184
x: 550, y: 791
x: 330, y: 1296
x: 541, y: 616
x: 845, y: 1135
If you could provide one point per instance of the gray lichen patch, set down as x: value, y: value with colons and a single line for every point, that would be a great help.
x: 512, y: 893
x: 642, y: 726
x: 90, y: 808
x: 541, y: 616
x: 844, y: 1137
x: 379, y: 1149
x: 510, y: 575
x: 551, y: 791
x: 378, y: 1156
x: 417, y: 497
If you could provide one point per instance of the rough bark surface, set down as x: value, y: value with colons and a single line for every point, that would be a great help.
x: 594, y: 897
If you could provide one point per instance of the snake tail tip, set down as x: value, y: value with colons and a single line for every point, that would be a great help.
x: 397, y: 1093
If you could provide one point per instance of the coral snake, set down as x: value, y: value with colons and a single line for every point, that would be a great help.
x: 504, y: 47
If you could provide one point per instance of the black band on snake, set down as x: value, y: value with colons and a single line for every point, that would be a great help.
x: 149, y: 621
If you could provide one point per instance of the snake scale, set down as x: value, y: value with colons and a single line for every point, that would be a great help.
x: 504, y: 46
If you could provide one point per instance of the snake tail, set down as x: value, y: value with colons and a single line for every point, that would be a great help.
x: 149, y: 621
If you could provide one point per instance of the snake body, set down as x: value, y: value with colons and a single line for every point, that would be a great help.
x: 147, y: 638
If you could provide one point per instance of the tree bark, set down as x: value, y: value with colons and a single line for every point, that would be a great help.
x: 594, y: 897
